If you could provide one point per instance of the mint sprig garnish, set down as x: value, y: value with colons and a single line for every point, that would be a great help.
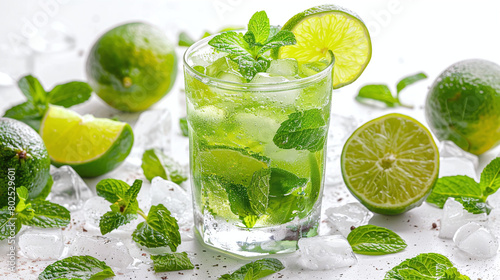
x: 36, y: 212
x: 159, y: 230
x: 77, y: 268
x: 425, y: 266
x: 171, y: 262
x: 467, y: 191
x: 32, y: 111
x: 255, y: 270
x: 382, y: 93
x: 375, y: 240
x: 156, y: 163
x: 247, y: 49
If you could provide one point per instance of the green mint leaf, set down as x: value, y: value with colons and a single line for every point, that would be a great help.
x: 156, y: 163
x: 454, y: 186
x: 409, y: 80
x: 112, y: 190
x: 184, y: 126
x: 159, y: 230
x: 453, y: 274
x: 185, y: 40
x: 46, y: 190
x: 285, y: 209
x: 77, y: 268
x: 22, y: 196
x: 284, y: 183
x: 112, y: 220
x: 282, y: 38
x: 258, y: 190
x: 273, y: 31
x: 171, y: 262
x: 8, y: 222
x: 134, y: 190
x: 259, y: 26
x: 423, y: 266
x: 380, y: 93
x: 240, y: 204
x: 490, y: 178
x: 28, y: 113
x: 474, y: 205
x: 249, y: 67
x: 230, y: 42
x: 69, y: 94
x: 48, y: 215
x: 257, y: 269
x: 302, y: 131
x: 33, y: 90
x: 375, y: 240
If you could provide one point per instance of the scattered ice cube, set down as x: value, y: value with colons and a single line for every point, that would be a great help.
x: 93, y: 210
x: 177, y: 201
x: 68, y: 189
x: 287, y: 67
x: 342, y: 218
x: 152, y: 130
x: 476, y: 240
x: 455, y: 161
x: 455, y: 216
x: 41, y: 244
x: 325, y: 253
x: 231, y: 76
x: 108, y: 249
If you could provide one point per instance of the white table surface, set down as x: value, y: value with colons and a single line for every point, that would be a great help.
x: 407, y: 37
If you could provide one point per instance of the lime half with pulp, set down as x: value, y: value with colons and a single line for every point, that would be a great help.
x: 330, y: 27
x: 390, y: 164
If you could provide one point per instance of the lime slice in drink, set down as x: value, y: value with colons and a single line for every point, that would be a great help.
x: 330, y: 27
x: 90, y: 145
x: 390, y: 164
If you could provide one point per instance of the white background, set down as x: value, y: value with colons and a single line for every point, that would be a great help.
x: 407, y: 37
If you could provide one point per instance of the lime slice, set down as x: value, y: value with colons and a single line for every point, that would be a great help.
x: 390, y: 164
x: 90, y: 145
x: 330, y: 27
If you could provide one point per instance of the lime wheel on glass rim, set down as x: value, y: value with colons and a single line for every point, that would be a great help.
x: 390, y: 164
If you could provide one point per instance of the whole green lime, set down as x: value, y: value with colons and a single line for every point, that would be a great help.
x: 463, y: 105
x: 132, y: 66
x: 24, y: 160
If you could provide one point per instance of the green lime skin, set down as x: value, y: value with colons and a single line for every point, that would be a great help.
x: 463, y: 105
x: 110, y: 160
x: 23, y: 153
x: 132, y: 66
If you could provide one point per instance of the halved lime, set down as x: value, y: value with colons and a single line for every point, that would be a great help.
x: 330, y: 27
x: 390, y: 164
x: 90, y: 145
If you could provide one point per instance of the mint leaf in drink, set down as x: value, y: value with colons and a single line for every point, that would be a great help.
x: 77, y: 268
x: 112, y: 220
x: 380, y: 93
x: 160, y: 229
x: 490, y: 178
x: 305, y: 130
x: 284, y: 209
x: 256, y: 270
x: 48, y: 215
x: 171, y: 262
x: 282, y: 38
x: 454, y: 186
x: 185, y: 40
x: 258, y: 190
x: 69, y: 94
x: 249, y: 66
x: 406, y: 81
x: 284, y: 183
x: 375, y: 240
x: 232, y: 43
x: 259, y: 27
x: 156, y: 163
x: 240, y: 204
x: 184, y: 126
x: 424, y: 266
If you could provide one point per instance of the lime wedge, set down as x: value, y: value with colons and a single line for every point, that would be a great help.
x: 90, y: 145
x: 390, y: 164
x: 330, y: 27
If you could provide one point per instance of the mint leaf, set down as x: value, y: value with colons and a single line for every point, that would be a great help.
x: 257, y: 269
x: 249, y: 67
x: 474, y: 205
x: 282, y: 38
x: 28, y: 113
x: 490, y: 178
x: 77, y: 268
x: 159, y: 230
x: 423, y: 266
x: 112, y: 190
x: 284, y: 209
x: 453, y: 274
x: 8, y: 222
x: 284, y: 183
x: 380, y: 93
x: 69, y: 94
x: 258, y: 190
x: 230, y: 42
x: 171, y: 262
x: 240, y: 204
x: 156, y: 163
x: 112, y: 220
x: 48, y: 215
x: 23, y: 210
x: 305, y: 130
x: 409, y: 80
x: 454, y: 186
x: 259, y: 26
x: 184, y: 126
x: 185, y: 40
x: 33, y: 90
x: 375, y: 240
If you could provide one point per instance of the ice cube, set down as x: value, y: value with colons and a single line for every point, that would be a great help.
x: 266, y: 78
x: 231, y: 76
x: 282, y: 97
x: 455, y: 161
x: 177, y: 201
x: 108, y: 249
x: 41, y: 244
x: 68, y: 189
x: 93, y: 210
x: 342, y: 218
x: 152, y: 130
x: 223, y: 64
x: 287, y: 67
x: 476, y: 240
x: 455, y: 216
x: 325, y: 253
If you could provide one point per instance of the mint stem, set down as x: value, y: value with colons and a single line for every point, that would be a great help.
x: 140, y: 212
